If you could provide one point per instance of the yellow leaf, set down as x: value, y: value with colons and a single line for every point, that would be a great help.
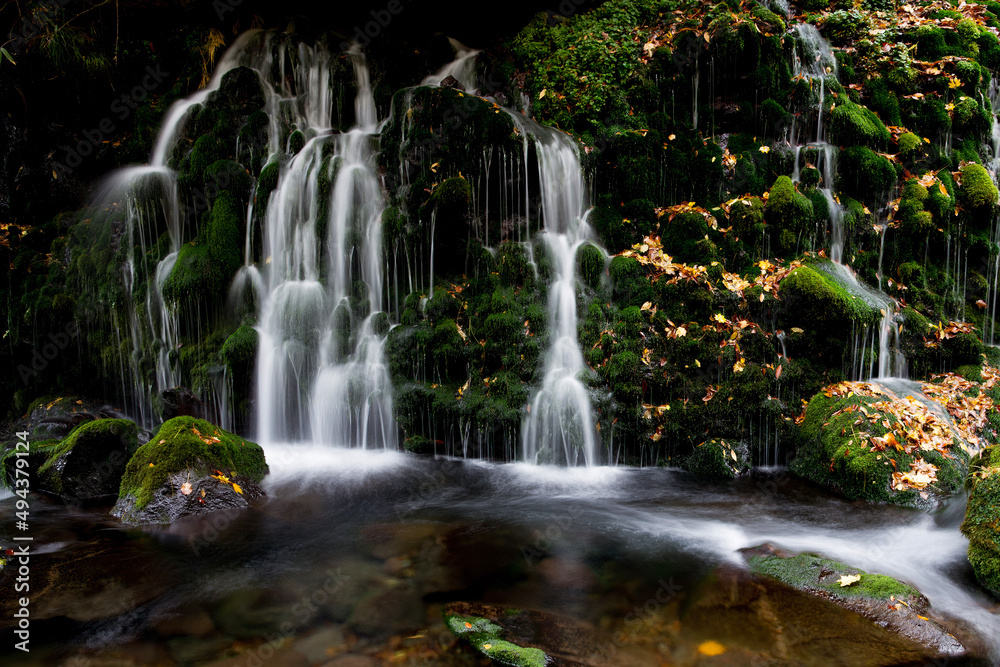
x: 764, y: 149
x: 711, y: 648
x: 487, y: 646
x: 797, y: 330
x: 849, y: 579
x: 542, y: 94
x: 237, y: 489
x: 681, y: 332
x: 54, y: 175
x: 150, y: 465
x: 186, y: 488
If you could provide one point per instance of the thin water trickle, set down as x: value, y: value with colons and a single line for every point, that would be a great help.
x: 559, y: 427
x: 463, y: 68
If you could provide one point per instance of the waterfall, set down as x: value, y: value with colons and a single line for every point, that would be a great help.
x: 463, y: 68
x: 321, y: 371
x: 814, y: 60
x: 559, y: 426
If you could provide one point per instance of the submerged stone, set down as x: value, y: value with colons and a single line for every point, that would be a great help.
x: 887, y: 602
x: 189, y: 467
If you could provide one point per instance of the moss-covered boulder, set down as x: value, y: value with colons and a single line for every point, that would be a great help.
x: 982, y: 518
x: 816, y: 302
x: 90, y: 462
x: 863, y: 441
x: 718, y: 459
x: 855, y: 125
x: 978, y: 190
x: 788, y: 215
x: 888, y: 602
x: 864, y: 175
x: 189, y: 467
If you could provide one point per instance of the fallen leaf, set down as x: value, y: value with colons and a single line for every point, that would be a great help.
x: 186, y: 488
x: 711, y: 648
x: 849, y: 579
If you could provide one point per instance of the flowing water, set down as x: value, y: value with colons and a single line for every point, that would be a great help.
x: 463, y: 68
x: 814, y: 60
x: 355, y: 552
x: 559, y: 426
x: 321, y: 372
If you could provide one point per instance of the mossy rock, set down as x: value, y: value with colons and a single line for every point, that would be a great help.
x: 239, y: 353
x: 90, y: 462
x: 788, y: 214
x: 815, y: 574
x: 864, y: 175
x: 835, y: 451
x: 240, y: 91
x: 718, y: 459
x: 511, y: 636
x: 854, y: 125
x: 982, y: 518
x: 193, y: 277
x: 227, y: 176
x: 816, y: 301
x: 190, y: 450
x: 978, y: 190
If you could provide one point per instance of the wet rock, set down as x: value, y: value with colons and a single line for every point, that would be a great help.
x: 320, y: 645
x: 188, y: 650
x: 352, y: 660
x: 893, y: 606
x: 88, y: 582
x: 388, y: 612
x: 523, y: 638
x: 90, y: 462
x: 452, y: 82
x: 188, y: 621
x: 181, y: 402
x: 265, y: 654
x: 189, y: 467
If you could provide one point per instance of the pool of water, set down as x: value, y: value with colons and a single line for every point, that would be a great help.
x: 354, y: 555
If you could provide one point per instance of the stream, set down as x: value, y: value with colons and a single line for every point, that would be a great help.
x: 356, y: 551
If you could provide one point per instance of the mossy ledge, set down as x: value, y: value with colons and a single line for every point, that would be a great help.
x: 186, y: 443
x: 982, y: 518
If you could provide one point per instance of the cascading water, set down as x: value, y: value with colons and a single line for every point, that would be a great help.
x: 321, y: 370
x: 814, y: 60
x: 559, y: 427
x: 463, y: 68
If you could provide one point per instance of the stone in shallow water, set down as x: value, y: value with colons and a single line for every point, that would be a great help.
x: 893, y: 615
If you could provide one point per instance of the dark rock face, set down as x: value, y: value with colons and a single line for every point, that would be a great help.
x: 89, y: 464
x: 181, y: 402
x: 176, y: 500
x: 452, y: 82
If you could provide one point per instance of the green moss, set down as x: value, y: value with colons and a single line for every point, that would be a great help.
x: 227, y: 176
x: 968, y: 118
x: 239, y: 352
x: 819, y: 301
x: 590, y: 262
x: 982, y: 518
x: 296, y: 141
x: 206, y: 151
x: 864, y: 175
x: 486, y: 637
x: 224, y: 238
x: 719, y: 459
x: 909, y: 145
x: 123, y: 430
x: 786, y: 208
x: 855, y: 125
x: 180, y: 445
x: 192, y: 279
x: 978, y: 190
x: 266, y: 183
x: 816, y: 574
